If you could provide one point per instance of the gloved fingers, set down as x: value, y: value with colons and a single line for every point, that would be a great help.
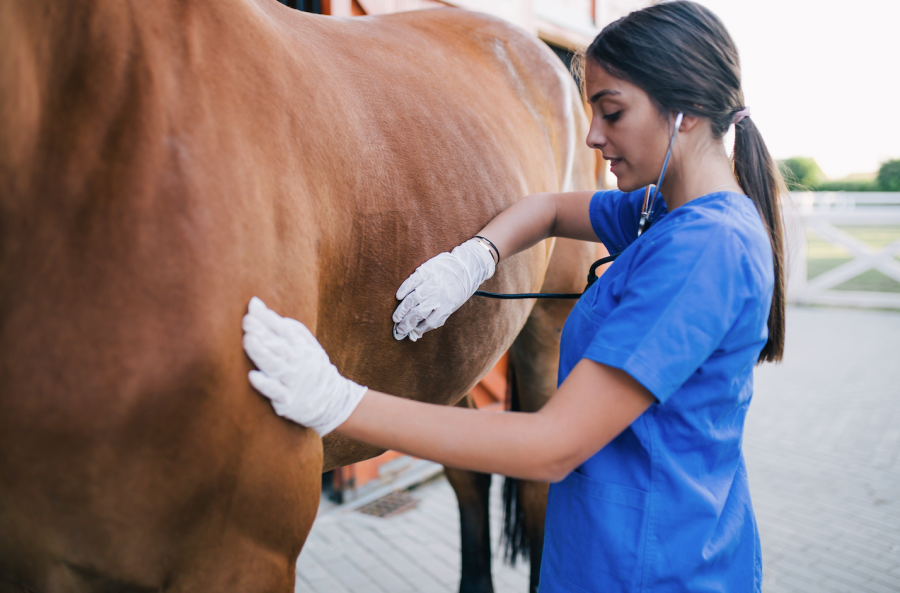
x: 432, y: 321
x: 397, y: 335
x: 251, y: 324
x: 435, y: 319
x: 298, y: 334
x: 275, y: 322
x: 273, y: 389
x: 264, y: 357
x: 411, y: 300
x: 278, y: 353
x: 293, y: 339
x: 410, y: 284
x: 413, y: 319
x: 293, y: 331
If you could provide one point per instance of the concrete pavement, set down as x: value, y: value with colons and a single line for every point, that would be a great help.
x: 822, y: 443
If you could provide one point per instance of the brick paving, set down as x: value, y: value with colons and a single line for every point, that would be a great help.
x: 822, y: 443
x: 415, y: 551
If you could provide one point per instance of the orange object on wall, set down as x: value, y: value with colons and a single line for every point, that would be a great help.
x: 490, y: 393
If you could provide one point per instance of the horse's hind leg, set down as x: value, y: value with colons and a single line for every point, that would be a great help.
x: 534, y: 358
x: 472, y: 493
x: 533, y: 361
x: 532, y: 380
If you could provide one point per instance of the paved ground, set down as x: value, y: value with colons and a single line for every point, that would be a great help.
x: 822, y: 446
x: 415, y: 551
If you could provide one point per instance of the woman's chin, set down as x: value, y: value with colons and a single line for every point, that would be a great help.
x: 626, y: 185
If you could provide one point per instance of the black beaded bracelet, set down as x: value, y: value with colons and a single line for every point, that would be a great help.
x: 494, y: 247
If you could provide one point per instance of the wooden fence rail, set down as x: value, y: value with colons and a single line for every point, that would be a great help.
x: 822, y: 213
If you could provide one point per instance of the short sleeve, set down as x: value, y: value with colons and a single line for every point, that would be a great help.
x: 615, y: 216
x: 684, y: 292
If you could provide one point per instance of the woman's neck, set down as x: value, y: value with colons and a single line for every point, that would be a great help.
x: 696, y: 171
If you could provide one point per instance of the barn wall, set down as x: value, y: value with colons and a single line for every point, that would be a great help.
x: 569, y: 24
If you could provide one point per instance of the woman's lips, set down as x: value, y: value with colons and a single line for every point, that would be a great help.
x: 613, y: 164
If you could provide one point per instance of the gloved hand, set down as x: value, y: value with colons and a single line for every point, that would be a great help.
x: 439, y: 287
x: 295, y: 372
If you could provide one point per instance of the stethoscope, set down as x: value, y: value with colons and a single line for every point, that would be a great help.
x: 643, y: 225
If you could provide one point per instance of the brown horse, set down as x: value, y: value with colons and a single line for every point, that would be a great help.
x: 160, y: 163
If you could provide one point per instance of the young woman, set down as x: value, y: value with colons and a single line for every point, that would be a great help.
x: 642, y: 441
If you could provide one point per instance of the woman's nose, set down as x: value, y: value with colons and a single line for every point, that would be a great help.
x: 595, y: 139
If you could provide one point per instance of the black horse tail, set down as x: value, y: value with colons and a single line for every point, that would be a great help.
x: 515, y: 537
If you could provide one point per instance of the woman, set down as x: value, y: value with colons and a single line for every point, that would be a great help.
x: 643, y: 438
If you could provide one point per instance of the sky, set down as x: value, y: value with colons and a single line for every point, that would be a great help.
x: 821, y: 77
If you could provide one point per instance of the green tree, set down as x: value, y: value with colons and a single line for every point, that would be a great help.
x: 801, y: 173
x: 845, y: 185
x: 889, y: 176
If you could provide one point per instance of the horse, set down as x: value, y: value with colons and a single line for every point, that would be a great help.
x: 162, y: 162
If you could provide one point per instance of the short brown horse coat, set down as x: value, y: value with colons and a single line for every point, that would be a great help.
x: 160, y: 163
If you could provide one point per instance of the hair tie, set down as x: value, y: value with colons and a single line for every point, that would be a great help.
x: 739, y: 115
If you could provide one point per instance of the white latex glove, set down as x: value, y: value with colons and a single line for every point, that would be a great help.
x: 439, y: 287
x: 295, y: 372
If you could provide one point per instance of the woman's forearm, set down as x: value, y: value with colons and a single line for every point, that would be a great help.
x: 522, y: 225
x: 591, y: 408
x: 537, y: 217
x: 508, y: 443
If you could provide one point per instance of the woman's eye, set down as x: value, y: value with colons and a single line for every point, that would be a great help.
x: 611, y: 117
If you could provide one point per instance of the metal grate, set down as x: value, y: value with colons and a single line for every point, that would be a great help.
x: 393, y: 504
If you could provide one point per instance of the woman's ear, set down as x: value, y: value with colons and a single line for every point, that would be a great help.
x: 688, y: 123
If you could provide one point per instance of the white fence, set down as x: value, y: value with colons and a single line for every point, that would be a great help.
x: 821, y: 213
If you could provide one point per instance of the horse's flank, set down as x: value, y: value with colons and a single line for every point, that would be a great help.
x: 162, y: 162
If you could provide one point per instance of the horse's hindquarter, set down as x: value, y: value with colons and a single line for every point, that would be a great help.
x: 137, y: 222
x: 447, y: 119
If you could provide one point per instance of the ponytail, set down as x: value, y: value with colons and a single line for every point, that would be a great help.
x: 759, y: 177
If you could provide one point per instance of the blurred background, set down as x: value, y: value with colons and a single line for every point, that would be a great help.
x: 819, y: 75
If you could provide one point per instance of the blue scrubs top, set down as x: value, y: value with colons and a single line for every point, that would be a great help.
x: 665, y: 507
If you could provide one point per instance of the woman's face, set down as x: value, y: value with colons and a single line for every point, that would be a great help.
x: 627, y: 127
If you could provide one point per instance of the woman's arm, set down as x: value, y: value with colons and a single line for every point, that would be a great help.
x: 442, y: 284
x: 539, y: 216
x: 591, y: 408
x: 593, y: 405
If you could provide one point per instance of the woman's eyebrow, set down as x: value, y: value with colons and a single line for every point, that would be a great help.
x: 599, y: 95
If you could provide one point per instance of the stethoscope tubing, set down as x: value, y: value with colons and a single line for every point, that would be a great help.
x: 644, y: 222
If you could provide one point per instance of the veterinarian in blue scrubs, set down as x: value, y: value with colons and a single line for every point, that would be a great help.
x: 666, y: 505
x: 642, y: 440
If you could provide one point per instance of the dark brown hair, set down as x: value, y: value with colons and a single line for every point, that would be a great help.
x: 680, y: 54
